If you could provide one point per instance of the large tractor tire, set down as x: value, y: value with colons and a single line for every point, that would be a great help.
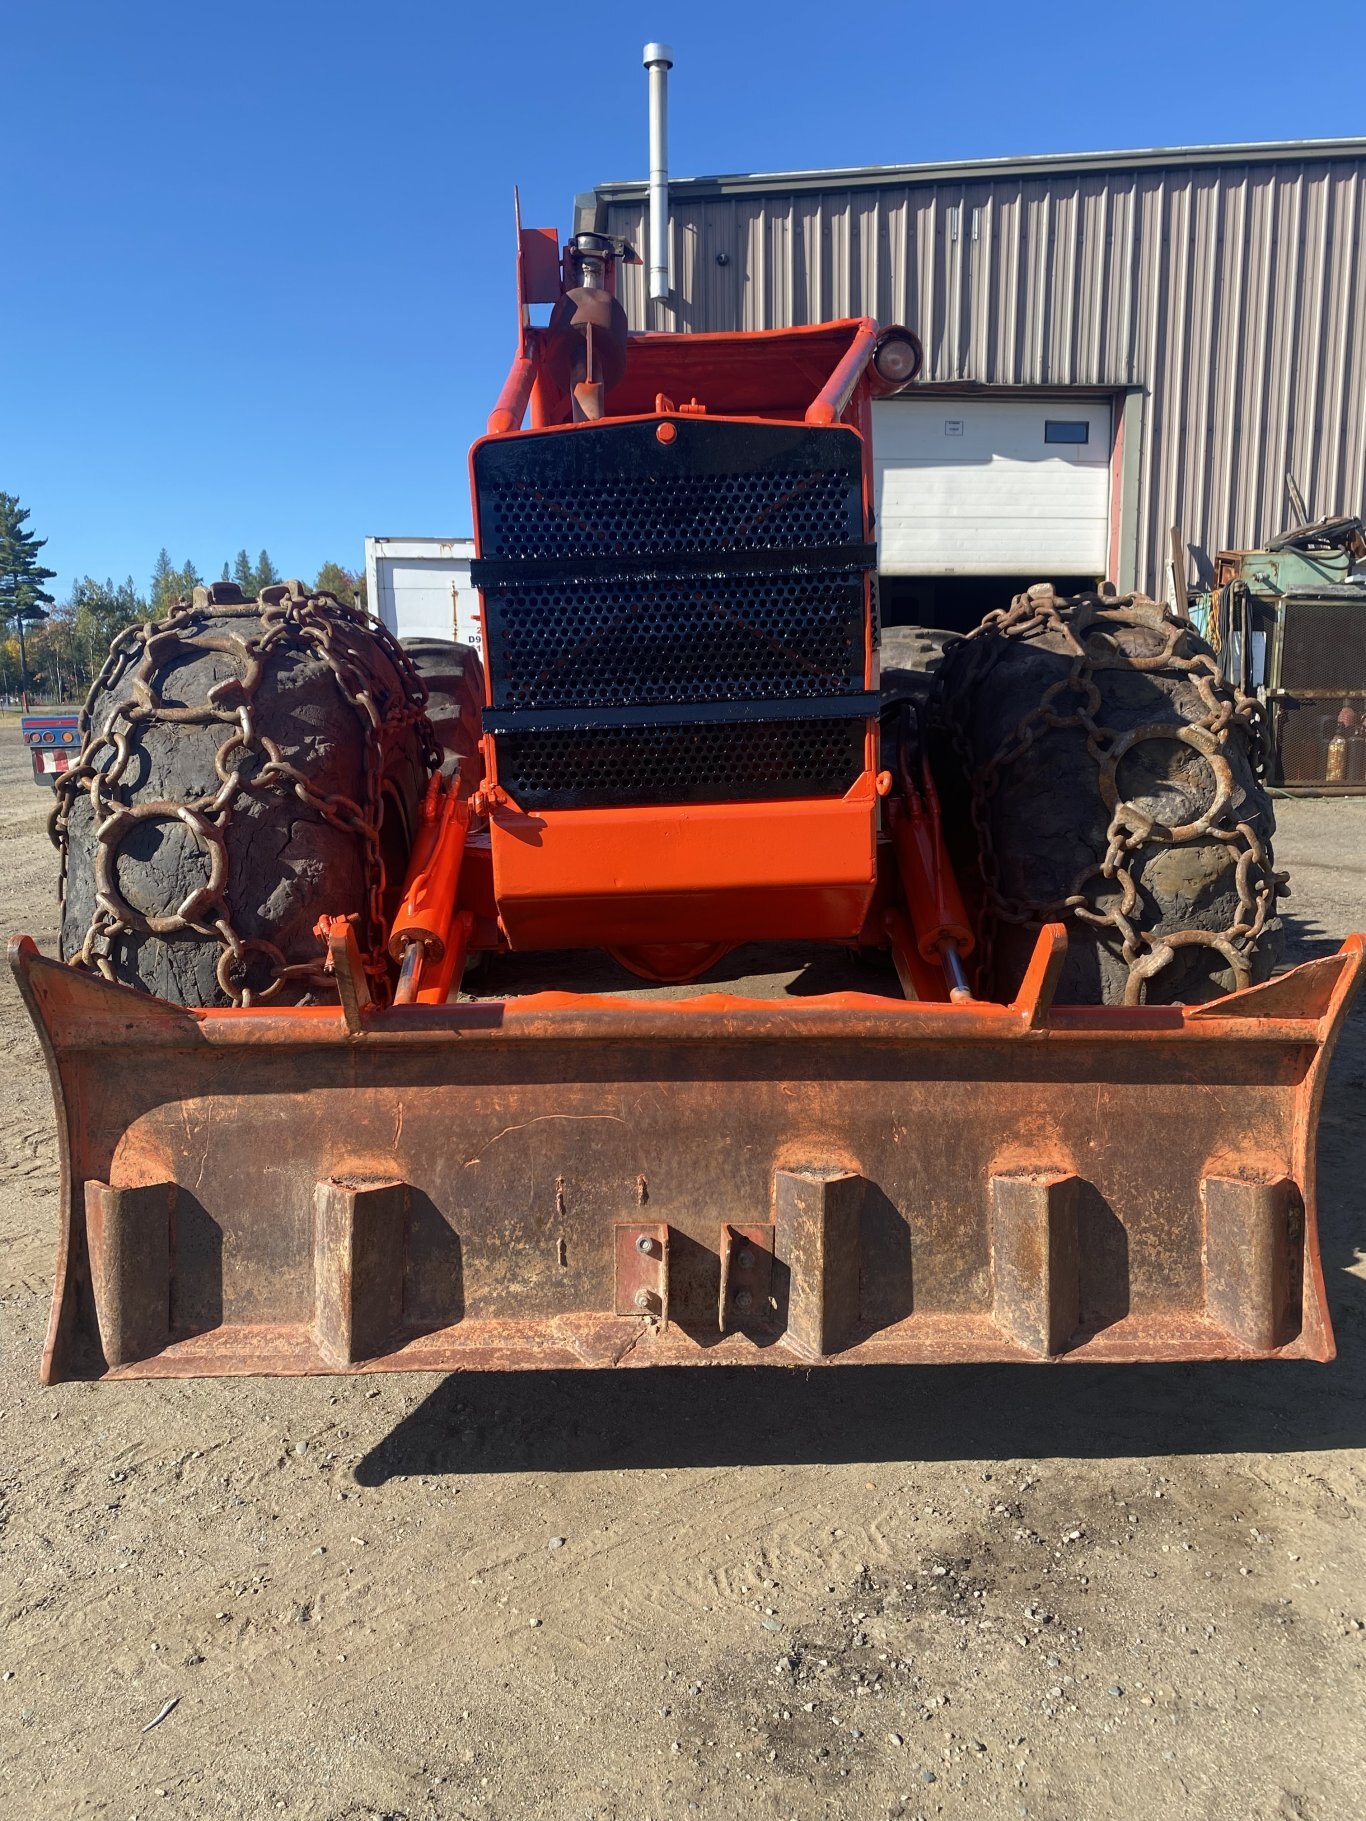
x: 910, y: 659
x: 454, y: 680
x: 1113, y: 784
x: 246, y: 767
x: 911, y: 656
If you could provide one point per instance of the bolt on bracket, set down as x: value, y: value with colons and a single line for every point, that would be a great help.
x: 642, y: 1270
x: 746, y: 1276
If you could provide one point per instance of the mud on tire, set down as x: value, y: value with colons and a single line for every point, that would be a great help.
x: 246, y: 767
x: 1112, y: 783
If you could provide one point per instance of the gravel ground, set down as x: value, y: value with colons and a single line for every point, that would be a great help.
x: 955, y: 1592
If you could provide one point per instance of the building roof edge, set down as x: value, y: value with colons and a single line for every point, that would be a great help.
x: 1046, y: 164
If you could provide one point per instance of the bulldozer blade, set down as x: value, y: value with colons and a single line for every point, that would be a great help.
x: 566, y: 1180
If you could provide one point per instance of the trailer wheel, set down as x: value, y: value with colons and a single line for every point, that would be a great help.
x: 246, y: 767
x: 1113, y: 781
x: 454, y: 678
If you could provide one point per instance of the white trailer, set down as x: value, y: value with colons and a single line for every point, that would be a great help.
x: 420, y: 587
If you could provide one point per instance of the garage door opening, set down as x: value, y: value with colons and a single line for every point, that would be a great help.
x: 957, y: 603
x: 978, y: 498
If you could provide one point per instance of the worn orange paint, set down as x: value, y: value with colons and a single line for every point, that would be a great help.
x: 732, y: 872
x: 501, y: 1147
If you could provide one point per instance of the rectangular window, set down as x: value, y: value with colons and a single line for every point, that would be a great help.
x: 1066, y: 430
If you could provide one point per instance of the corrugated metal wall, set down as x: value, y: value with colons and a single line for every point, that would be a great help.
x: 1230, y: 295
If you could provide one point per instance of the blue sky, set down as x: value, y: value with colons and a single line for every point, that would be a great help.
x: 260, y: 285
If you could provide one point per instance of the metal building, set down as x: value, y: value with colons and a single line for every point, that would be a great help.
x: 1116, y: 344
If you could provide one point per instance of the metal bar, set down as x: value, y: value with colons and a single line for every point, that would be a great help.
x: 954, y: 971
x: 504, y: 573
x: 1320, y: 790
x: 409, y: 973
x: 1300, y: 1007
x: 508, y: 413
x: 659, y: 61
x: 685, y: 714
x: 834, y: 395
x: 344, y: 962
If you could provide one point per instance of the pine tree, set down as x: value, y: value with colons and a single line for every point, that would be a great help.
x: 162, y: 591
x: 226, y: 575
x: 171, y: 585
x: 99, y: 612
x: 243, y: 574
x: 23, y: 599
x: 265, y: 574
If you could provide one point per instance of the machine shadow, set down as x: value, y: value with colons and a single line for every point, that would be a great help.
x: 580, y: 1422
x: 570, y: 1422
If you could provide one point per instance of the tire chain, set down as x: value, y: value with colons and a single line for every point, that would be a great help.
x: 1080, y: 621
x: 292, y: 618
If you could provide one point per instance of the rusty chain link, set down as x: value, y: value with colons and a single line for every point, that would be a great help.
x: 286, y: 615
x: 1089, y: 626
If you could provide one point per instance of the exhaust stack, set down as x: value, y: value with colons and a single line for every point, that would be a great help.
x: 659, y: 61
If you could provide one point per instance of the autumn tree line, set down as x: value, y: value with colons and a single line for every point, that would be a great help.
x: 65, y: 642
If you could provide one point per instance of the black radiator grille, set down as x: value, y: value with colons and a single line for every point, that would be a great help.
x: 582, y: 768
x: 662, y: 514
x: 620, y: 642
x: 625, y: 579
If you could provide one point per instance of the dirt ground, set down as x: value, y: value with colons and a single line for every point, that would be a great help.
x: 957, y: 1592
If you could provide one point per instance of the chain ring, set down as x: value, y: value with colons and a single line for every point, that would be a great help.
x: 1084, y: 625
x: 287, y: 617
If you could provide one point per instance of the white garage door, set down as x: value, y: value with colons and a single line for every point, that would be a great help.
x: 992, y: 486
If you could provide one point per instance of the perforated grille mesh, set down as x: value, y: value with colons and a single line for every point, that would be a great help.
x: 1324, y: 645
x: 704, y: 639
x: 659, y: 514
x: 1303, y: 733
x: 571, y: 767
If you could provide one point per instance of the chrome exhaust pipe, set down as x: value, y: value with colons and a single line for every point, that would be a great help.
x: 659, y: 61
